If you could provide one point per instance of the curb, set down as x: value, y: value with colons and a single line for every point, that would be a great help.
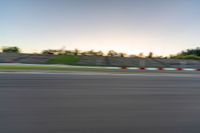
x: 160, y: 69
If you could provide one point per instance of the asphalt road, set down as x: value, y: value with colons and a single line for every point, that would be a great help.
x: 92, y: 103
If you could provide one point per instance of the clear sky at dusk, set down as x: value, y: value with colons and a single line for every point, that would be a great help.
x: 133, y: 26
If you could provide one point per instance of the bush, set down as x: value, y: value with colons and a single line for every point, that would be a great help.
x: 49, y: 52
x: 194, y: 57
x: 63, y: 59
x: 10, y: 50
x: 195, y: 51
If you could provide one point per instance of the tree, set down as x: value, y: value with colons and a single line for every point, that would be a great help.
x: 195, y: 51
x: 188, y: 54
x: 122, y: 54
x: 68, y: 52
x: 150, y: 55
x: 50, y: 52
x: 99, y: 53
x: 141, y: 55
x: 76, y: 52
x: 112, y: 53
x: 10, y: 50
x: 91, y: 52
x: 133, y: 56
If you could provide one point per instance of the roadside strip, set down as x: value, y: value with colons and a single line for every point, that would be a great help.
x: 17, y: 66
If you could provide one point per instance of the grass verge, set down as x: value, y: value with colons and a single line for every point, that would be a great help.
x: 63, y: 59
x: 21, y: 67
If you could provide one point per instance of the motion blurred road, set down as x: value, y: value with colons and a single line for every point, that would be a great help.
x: 99, y: 103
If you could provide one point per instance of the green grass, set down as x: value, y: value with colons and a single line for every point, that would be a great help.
x: 14, y: 67
x: 28, y: 67
x: 63, y: 59
x: 65, y: 69
x: 47, y: 67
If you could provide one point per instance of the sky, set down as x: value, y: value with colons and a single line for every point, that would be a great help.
x: 163, y: 27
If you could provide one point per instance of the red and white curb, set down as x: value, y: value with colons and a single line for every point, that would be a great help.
x: 160, y: 69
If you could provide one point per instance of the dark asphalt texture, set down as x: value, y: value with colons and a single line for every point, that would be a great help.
x: 45, y: 103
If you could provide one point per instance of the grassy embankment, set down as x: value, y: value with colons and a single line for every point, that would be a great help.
x: 65, y: 61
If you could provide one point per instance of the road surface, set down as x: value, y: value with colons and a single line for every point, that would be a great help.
x: 99, y: 103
